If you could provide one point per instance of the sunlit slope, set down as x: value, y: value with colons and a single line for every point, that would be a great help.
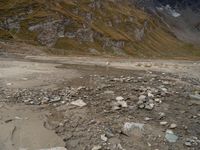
x: 90, y: 26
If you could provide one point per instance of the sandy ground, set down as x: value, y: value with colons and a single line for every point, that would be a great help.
x: 22, y: 126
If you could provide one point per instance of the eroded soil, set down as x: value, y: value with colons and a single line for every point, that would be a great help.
x: 122, y: 104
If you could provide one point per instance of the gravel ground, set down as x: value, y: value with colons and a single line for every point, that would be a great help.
x: 107, y: 104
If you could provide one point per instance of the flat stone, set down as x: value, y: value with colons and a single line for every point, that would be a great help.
x: 97, y: 147
x: 142, y: 97
x: 147, y: 119
x: 173, y: 126
x: 130, y: 127
x: 189, y: 144
x: 123, y: 104
x: 56, y: 99
x: 150, y: 95
x: 149, y: 106
x: 163, y: 123
x: 170, y: 136
x: 119, y: 98
x: 79, y: 103
x: 196, y: 96
x: 104, y: 138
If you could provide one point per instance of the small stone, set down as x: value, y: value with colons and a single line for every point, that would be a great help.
x: 149, y: 144
x: 116, y: 107
x: 130, y: 127
x: 147, y: 119
x: 164, y: 90
x: 162, y: 115
x: 141, y: 106
x: 119, y: 98
x: 8, y: 84
x: 170, y: 136
x: 150, y: 95
x: 189, y: 144
x: 97, y: 147
x: 142, y: 97
x: 173, y: 126
x: 79, y: 103
x: 123, y: 104
x: 56, y: 99
x: 148, y: 65
x: 149, y: 106
x: 157, y: 100
x: 196, y: 96
x: 104, y: 138
x: 163, y: 123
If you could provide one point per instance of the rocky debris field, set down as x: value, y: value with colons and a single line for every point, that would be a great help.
x: 117, y: 109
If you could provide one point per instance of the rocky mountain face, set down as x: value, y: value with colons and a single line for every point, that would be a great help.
x: 116, y: 27
x: 181, y: 16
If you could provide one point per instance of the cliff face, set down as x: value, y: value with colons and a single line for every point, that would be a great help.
x: 116, y: 27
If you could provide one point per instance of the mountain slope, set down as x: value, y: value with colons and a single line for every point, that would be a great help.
x: 181, y: 16
x: 90, y: 26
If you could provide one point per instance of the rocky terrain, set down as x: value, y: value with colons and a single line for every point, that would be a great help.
x: 97, y: 105
x: 99, y: 75
x: 115, y: 27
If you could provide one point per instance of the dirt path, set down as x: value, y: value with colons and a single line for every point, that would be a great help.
x: 98, y: 103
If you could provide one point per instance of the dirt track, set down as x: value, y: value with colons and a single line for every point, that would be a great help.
x: 25, y: 83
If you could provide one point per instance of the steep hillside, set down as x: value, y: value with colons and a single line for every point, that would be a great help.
x: 181, y: 16
x: 90, y: 26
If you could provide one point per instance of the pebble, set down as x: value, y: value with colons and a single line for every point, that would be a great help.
x: 8, y: 84
x: 123, y: 104
x: 150, y: 95
x: 196, y: 96
x: 97, y: 147
x: 147, y: 119
x: 119, y: 98
x: 157, y: 100
x: 149, y: 106
x: 56, y: 99
x: 163, y: 123
x: 162, y: 115
x: 189, y: 144
x: 104, y: 138
x: 79, y: 103
x: 170, y: 136
x: 173, y: 126
x: 142, y: 97
x: 130, y: 126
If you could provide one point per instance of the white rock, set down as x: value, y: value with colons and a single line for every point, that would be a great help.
x: 163, y: 123
x: 157, y: 100
x: 147, y: 119
x: 97, y: 147
x: 123, y: 104
x: 104, y: 138
x: 128, y: 126
x: 173, y: 126
x: 8, y: 84
x: 142, y: 97
x: 119, y: 98
x: 79, y: 103
x: 150, y: 95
